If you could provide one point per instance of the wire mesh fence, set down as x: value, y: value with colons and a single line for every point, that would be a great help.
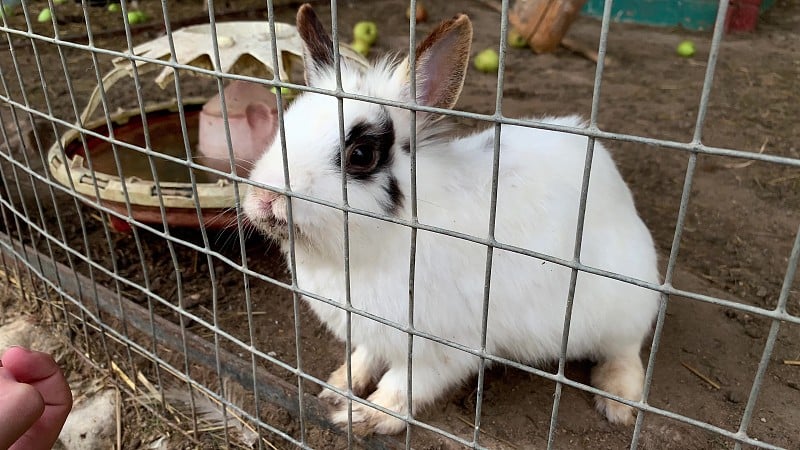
x: 104, y: 242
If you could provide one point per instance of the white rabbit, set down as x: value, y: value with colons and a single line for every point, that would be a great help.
x: 537, y: 208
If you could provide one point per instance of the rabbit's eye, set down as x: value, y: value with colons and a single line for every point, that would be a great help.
x: 362, y: 159
x: 367, y: 148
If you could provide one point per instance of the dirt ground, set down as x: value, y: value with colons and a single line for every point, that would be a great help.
x: 741, y: 219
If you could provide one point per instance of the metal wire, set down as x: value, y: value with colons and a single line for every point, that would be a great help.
x: 162, y: 211
x: 36, y: 135
x: 662, y: 288
x: 492, y: 218
x: 685, y: 194
x: 118, y: 165
x: 559, y: 378
x: 412, y: 257
x: 652, y: 142
x: 95, y: 321
x: 26, y: 150
x: 576, y: 257
x: 783, y: 299
x: 55, y: 242
x: 337, y: 66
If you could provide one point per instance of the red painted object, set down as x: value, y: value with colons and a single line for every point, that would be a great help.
x: 742, y: 15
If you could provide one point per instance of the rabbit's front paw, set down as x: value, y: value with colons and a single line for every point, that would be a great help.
x: 339, y: 380
x: 362, y: 374
x: 622, y: 376
x: 615, y: 412
x: 368, y: 420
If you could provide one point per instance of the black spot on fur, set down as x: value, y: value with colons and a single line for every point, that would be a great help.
x: 396, y: 197
x: 406, y: 147
x: 489, y: 145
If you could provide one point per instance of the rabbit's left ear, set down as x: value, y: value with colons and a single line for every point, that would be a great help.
x: 442, y: 60
x: 318, y: 47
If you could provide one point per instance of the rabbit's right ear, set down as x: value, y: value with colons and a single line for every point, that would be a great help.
x: 317, y: 48
x: 441, y: 61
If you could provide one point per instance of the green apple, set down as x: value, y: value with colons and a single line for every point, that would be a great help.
x: 516, y: 40
x: 365, y: 31
x: 286, y: 92
x: 686, y: 49
x: 114, y: 7
x: 487, y: 61
x: 59, y: 2
x: 135, y: 17
x: 361, y: 47
x: 45, y: 15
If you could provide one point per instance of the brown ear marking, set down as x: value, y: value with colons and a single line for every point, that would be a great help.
x: 459, y: 22
x: 443, y: 58
x: 318, y: 44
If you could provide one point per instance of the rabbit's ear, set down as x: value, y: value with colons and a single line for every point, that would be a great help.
x: 318, y: 47
x: 442, y: 60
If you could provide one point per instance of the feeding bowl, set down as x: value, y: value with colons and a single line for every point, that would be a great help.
x: 123, y: 177
x: 164, y: 183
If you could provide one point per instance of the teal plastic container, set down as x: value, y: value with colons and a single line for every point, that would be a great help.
x: 689, y: 14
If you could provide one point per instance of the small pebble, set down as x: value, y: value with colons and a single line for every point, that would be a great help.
x: 734, y: 397
x: 754, y: 331
x: 91, y: 423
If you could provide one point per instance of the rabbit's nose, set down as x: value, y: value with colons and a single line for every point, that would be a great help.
x: 272, y: 204
x: 267, y: 199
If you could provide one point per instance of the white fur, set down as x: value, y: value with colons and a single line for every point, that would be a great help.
x: 538, y: 194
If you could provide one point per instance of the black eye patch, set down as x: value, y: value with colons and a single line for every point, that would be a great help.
x: 367, y: 148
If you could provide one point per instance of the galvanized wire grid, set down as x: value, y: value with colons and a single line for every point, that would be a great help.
x: 55, y: 238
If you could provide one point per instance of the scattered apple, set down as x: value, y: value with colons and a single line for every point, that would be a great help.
x: 114, y: 7
x: 516, y: 40
x: 361, y: 47
x: 7, y: 11
x: 421, y: 14
x: 45, y: 15
x: 686, y: 49
x: 59, y: 2
x: 365, y: 31
x: 135, y: 17
x: 286, y: 92
x: 487, y: 61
